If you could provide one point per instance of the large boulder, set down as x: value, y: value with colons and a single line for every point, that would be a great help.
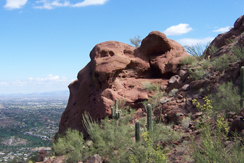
x: 164, y: 54
x: 118, y: 71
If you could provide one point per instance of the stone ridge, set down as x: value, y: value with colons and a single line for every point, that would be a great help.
x: 223, y: 41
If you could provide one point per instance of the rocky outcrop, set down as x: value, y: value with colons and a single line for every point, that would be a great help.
x: 117, y: 71
x: 225, y: 41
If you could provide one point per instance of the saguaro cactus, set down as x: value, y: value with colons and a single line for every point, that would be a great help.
x: 116, y: 113
x: 149, y: 118
x: 242, y: 87
x: 137, y: 131
x: 112, y: 112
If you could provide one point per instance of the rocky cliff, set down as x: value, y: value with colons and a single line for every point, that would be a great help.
x: 117, y: 71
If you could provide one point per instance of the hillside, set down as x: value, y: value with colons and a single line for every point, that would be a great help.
x: 195, y: 101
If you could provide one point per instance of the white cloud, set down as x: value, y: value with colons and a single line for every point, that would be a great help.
x: 223, y: 29
x: 89, y: 2
x: 14, y: 4
x: 191, y: 41
x: 39, y: 84
x: 19, y: 83
x: 178, y: 29
x: 48, y: 4
x: 3, y: 84
x: 49, y: 78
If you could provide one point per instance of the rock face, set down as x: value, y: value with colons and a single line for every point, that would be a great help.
x: 224, y: 42
x: 118, y: 70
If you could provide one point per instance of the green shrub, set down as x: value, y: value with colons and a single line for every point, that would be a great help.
x: 149, y: 86
x: 188, y: 60
x: 206, y: 64
x: 238, y: 50
x: 212, y: 49
x: 149, y: 154
x: 221, y: 63
x: 226, y: 99
x: 154, y: 100
x: 147, y: 150
x: 136, y: 41
x: 113, y: 140
x: 72, y: 146
x: 212, y: 148
x: 197, y: 73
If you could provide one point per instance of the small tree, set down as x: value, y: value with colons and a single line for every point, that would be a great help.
x: 136, y: 41
x: 196, y: 50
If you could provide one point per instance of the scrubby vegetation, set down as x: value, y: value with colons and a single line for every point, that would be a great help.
x: 200, y: 65
x: 211, y: 148
x: 114, y: 141
x: 226, y: 99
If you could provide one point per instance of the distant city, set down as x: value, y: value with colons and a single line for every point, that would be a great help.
x: 28, y: 123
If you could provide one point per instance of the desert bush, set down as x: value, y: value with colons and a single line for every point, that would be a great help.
x: 149, y: 153
x: 196, y: 51
x: 212, y: 49
x: 113, y: 140
x: 72, y: 146
x: 238, y: 49
x: 211, y: 147
x: 221, y: 63
x: 197, y: 73
x: 136, y: 41
x: 148, y: 149
x: 154, y: 100
x: 206, y: 64
x: 188, y: 60
x: 150, y: 86
x: 226, y: 99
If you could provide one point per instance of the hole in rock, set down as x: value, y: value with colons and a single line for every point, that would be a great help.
x: 111, y: 53
x: 104, y: 53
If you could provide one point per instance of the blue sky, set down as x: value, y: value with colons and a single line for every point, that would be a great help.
x: 44, y: 43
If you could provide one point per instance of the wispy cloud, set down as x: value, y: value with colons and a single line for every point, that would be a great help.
x: 14, y: 4
x: 48, y: 83
x: 178, y: 29
x: 49, y: 79
x: 3, y: 83
x: 223, y: 29
x: 49, y: 4
x: 192, y: 41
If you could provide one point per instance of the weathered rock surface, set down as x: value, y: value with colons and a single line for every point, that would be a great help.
x: 117, y: 71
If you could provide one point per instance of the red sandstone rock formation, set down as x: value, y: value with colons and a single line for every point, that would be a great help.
x: 117, y: 70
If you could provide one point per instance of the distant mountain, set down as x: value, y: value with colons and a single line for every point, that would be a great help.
x: 51, y: 94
